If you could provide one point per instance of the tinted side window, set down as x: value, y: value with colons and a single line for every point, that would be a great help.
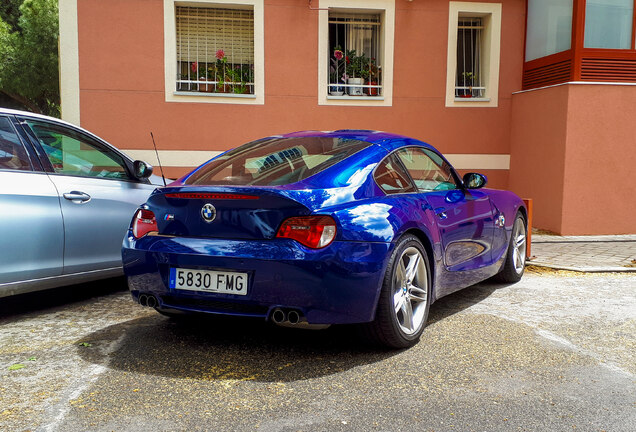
x: 391, y: 177
x: 13, y: 155
x: 75, y: 154
x: 428, y: 170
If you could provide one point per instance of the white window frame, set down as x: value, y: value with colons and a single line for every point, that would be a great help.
x: 386, y: 8
x: 170, y: 54
x: 491, y: 46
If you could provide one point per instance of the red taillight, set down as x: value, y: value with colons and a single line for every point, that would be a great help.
x: 144, y: 223
x: 220, y: 196
x: 312, y: 231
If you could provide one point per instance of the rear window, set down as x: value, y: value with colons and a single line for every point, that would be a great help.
x: 276, y: 161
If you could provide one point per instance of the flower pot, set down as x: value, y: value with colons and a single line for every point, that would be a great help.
x: 355, y: 91
x: 371, y: 91
x: 336, y: 90
x: 207, y: 88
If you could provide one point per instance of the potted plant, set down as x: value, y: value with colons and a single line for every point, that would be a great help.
x: 357, y: 71
x: 374, y: 74
x: 336, y: 73
x: 221, y: 73
x: 470, y: 77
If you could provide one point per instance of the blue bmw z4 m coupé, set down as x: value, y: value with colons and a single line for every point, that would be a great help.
x: 318, y: 228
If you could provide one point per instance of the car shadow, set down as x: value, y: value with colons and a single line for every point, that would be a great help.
x: 227, y: 348
x: 50, y: 299
x: 461, y: 300
x: 230, y: 348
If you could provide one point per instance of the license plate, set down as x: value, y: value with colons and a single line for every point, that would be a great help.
x: 209, y: 281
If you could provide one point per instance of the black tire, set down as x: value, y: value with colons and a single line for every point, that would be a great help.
x: 391, y: 327
x: 515, y: 263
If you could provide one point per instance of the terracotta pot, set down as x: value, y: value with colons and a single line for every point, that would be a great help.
x: 371, y: 91
x: 207, y: 88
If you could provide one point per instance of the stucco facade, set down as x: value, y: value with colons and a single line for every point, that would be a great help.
x: 520, y: 141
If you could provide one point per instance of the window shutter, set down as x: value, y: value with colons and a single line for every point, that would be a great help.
x: 202, y: 31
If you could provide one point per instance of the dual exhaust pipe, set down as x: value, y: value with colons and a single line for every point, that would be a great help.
x: 148, y: 300
x: 282, y: 317
x: 293, y: 318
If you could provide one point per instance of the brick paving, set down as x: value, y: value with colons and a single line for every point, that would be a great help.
x: 584, y: 253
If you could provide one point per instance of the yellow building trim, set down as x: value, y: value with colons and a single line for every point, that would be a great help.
x: 69, y: 62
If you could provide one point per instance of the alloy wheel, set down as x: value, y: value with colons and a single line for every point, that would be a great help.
x: 410, y: 291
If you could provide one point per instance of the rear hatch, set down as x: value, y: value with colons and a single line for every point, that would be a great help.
x: 222, y: 212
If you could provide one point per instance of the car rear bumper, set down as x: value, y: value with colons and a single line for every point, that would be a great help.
x: 335, y: 285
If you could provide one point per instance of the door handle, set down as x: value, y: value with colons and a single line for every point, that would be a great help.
x: 441, y: 213
x: 77, y: 197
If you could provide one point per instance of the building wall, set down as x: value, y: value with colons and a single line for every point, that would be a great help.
x: 121, y: 85
x: 572, y: 152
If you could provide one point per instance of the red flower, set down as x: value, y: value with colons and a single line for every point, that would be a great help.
x: 338, y: 54
x: 220, y: 54
x: 347, y: 60
x: 193, y: 67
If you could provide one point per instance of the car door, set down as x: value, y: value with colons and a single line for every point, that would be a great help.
x: 98, y: 194
x: 464, y: 218
x: 32, y: 239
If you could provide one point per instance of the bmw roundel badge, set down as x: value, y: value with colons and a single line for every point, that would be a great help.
x: 208, y: 212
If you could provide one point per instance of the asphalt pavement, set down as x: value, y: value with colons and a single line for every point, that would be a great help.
x: 554, y: 352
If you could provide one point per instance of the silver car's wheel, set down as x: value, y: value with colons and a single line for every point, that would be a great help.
x: 405, y: 296
x: 410, y: 291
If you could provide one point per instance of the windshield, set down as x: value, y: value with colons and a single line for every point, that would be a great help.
x: 276, y: 161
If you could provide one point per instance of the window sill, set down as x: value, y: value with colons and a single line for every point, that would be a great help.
x: 356, y: 98
x: 215, y: 95
x: 472, y: 99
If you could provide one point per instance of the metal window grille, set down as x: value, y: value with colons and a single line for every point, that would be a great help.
x: 215, y: 50
x: 355, y: 63
x: 468, y: 80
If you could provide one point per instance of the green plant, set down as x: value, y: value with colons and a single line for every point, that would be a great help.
x: 357, y: 66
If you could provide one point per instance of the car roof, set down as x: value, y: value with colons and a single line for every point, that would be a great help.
x: 34, y: 115
x: 389, y: 141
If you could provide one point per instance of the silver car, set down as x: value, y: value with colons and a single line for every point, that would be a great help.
x: 66, y: 200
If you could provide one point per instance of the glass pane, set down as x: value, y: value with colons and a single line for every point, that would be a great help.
x: 549, y: 28
x: 13, y: 155
x: 608, y: 23
x: 276, y: 161
x: 215, y: 50
x: 355, y: 54
x: 468, y: 82
x: 74, y: 154
x: 428, y: 170
x: 391, y: 177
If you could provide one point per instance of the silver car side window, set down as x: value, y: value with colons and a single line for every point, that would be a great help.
x: 72, y: 153
x: 13, y: 155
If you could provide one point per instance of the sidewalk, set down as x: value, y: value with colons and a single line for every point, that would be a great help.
x: 616, y: 253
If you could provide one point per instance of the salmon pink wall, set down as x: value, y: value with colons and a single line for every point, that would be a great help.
x: 121, y: 52
x: 572, y: 152
x: 600, y: 190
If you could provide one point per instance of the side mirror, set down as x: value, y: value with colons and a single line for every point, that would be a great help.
x: 474, y: 180
x: 141, y: 169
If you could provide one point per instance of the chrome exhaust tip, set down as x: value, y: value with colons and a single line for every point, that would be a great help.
x: 151, y: 301
x: 278, y: 316
x: 293, y: 317
x: 143, y: 300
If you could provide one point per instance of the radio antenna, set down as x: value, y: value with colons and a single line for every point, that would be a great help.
x: 157, y: 153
